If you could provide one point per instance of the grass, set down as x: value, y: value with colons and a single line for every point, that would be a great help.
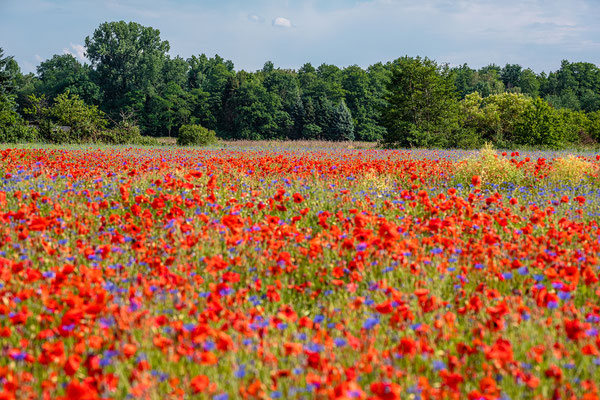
x: 490, y: 168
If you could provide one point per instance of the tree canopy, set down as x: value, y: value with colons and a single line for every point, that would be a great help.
x: 405, y: 102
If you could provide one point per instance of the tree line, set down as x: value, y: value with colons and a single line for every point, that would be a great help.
x: 133, y: 89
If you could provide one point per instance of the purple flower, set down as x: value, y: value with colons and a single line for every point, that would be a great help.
x: 370, y: 323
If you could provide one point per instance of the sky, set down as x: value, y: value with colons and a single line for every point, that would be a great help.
x: 533, y: 33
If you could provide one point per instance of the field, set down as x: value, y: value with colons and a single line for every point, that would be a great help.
x: 298, y: 272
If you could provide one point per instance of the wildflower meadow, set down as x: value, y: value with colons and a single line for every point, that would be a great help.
x: 298, y: 273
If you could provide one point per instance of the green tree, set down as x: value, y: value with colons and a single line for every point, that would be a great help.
x: 529, y: 83
x: 6, y: 76
x: 128, y: 59
x: 464, y: 79
x: 593, y: 125
x: 493, y: 118
x: 256, y: 113
x: 64, y: 73
x: 539, y: 125
x: 341, y: 125
x: 211, y: 82
x: 511, y: 76
x: 422, y: 104
x: 13, y: 128
x: 362, y: 100
x: 166, y: 112
x: 487, y: 81
x: 68, y: 120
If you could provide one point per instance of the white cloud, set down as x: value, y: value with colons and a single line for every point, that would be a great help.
x: 282, y: 22
x: 256, y: 18
x: 77, y: 51
x: 38, y: 58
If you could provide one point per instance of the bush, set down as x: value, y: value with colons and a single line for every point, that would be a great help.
x: 68, y: 121
x: 195, y: 135
x: 464, y: 138
x: 540, y: 125
x: 493, y: 118
x: 311, y: 131
x: 85, y: 122
x: 574, y: 126
x: 593, y: 125
x: 124, y: 132
x: 12, y: 127
x: 490, y: 168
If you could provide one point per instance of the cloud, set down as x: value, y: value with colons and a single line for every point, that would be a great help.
x: 77, y: 51
x: 282, y: 22
x: 256, y: 18
x: 38, y: 58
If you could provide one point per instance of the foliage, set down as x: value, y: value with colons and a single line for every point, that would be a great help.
x: 67, y: 120
x: 195, y: 135
x: 421, y: 104
x: 13, y: 129
x: 5, y: 74
x: 540, y: 125
x: 493, y: 118
x: 63, y: 73
x: 593, y: 125
x: 341, y: 125
x: 312, y: 131
x: 126, y: 131
x: 131, y: 72
x: 127, y: 59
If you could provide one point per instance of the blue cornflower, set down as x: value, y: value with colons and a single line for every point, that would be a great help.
x: 370, y: 323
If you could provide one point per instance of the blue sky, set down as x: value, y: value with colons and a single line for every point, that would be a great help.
x: 533, y: 33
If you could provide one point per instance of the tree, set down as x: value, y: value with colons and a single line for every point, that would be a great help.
x: 167, y: 111
x: 361, y: 99
x: 6, y: 84
x: 256, y: 113
x: 487, y: 81
x: 64, y: 73
x: 464, y: 79
x: 68, y: 120
x: 511, y: 76
x: 539, y: 125
x: 422, y: 103
x: 211, y: 82
x: 12, y: 126
x: 529, y: 83
x: 493, y: 118
x: 341, y: 125
x: 128, y: 59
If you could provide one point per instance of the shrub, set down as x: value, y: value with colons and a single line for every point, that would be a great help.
x: 574, y: 126
x: 85, y: 121
x: 540, y: 125
x: 69, y: 120
x: 493, y: 118
x: 593, y: 125
x: 195, y: 135
x: 124, y: 132
x: 490, y: 169
x: 311, y: 131
x: 12, y: 127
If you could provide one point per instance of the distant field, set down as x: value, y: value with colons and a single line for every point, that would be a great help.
x: 298, y: 270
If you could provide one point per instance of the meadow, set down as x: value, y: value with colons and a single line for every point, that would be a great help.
x: 298, y: 272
